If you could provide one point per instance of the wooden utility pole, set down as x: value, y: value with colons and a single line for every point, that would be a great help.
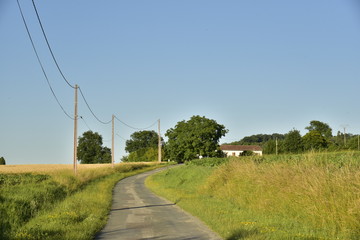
x: 75, y: 129
x: 344, y: 137
x: 159, y: 142
x: 112, y: 143
x: 276, y: 146
x: 358, y: 143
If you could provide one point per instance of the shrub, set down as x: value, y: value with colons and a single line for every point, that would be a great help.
x: 247, y: 153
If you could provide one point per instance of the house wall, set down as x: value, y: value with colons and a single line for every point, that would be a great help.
x: 237, y: 153
x: 258, y: 153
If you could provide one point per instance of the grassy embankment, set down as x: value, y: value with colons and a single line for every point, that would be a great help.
x: 58, y: 205
x: 305, y: 197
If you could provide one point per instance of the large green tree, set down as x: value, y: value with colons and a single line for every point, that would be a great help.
x: 293, y: 142
x: 195, y: 137
x: 140, y: 140
x: 90, y: 149
x: 323, y: 128
x: 2, y: 161
x: 314, y: 140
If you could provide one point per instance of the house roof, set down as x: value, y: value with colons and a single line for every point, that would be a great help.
x: 240, y: 148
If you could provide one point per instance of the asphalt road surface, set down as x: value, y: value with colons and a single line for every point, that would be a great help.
x: 137, y: 213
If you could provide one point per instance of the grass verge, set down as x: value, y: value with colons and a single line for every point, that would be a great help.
x: 305, y: 197
x: 60, y: 206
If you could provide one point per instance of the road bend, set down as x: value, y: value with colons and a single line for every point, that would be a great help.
x: 137, y: 213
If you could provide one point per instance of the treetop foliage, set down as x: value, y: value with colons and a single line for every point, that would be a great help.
x: 141, y: 140
x: 196, y: 137
x: 323, y: 128
x: 2, y: 161
x: 293, y: 142
x: 90, y: 149
x: 258, y: 139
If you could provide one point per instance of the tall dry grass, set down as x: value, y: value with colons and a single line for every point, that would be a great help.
x: 49, y: 168
x: 320, y: 192
x: 64, y: 174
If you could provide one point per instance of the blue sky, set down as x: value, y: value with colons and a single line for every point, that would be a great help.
x: 256, y: 66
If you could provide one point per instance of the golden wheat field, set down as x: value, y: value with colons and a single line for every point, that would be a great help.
x: 46, y: 168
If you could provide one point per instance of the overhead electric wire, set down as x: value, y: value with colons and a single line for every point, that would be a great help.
x: 57, y: 65
x: 48, y: 44
x: 91, y: 109
x: 40, y: 63
x: 59, y: 69
x: 120, y: 137
x: 135, y: 127
x: 85, y: 123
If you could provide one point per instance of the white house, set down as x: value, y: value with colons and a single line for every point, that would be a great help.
x: 236, y: 150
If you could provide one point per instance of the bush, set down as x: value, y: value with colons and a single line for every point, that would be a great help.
x: 2, y: 161
x: 247, y: 153
x: 125, y: 159
x: 144, y: 155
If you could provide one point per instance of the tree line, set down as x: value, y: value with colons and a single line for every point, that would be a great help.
x: 318, y: 137
x: 190, y: 139
x: 199, y: 137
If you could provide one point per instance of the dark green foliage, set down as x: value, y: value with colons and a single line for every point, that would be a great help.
x: 143, y: 147
x: 343, y: 142
x: 105, y: 156
x: 258, y: 139
x: 270, y: 147
x: 198, y: 136
x: 124, y: 159
x: 293, y: 142
x: 314, y: 140
x: 247, y: 153
x: 353, y: 142
x: 90, y: 149
x: 142, y: 139
x: 144, y: 155
x: 322, y: 128
x: 319, y: 137
x: 2, y: 161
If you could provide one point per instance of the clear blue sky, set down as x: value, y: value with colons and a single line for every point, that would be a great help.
x: 256, y: 66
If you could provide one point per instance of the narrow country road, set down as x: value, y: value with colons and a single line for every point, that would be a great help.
x: 137, y: 213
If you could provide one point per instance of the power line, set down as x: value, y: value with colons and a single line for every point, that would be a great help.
x: 58, y: 67
x: 40, y: 63
x: 48, y: 44
x: 85, y: 123
x: 91, y: 109
x: 135, y: 127
x: 120, y: 137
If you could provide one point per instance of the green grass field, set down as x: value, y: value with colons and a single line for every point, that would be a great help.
x: 306, y: 196
x: 59, y: 205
